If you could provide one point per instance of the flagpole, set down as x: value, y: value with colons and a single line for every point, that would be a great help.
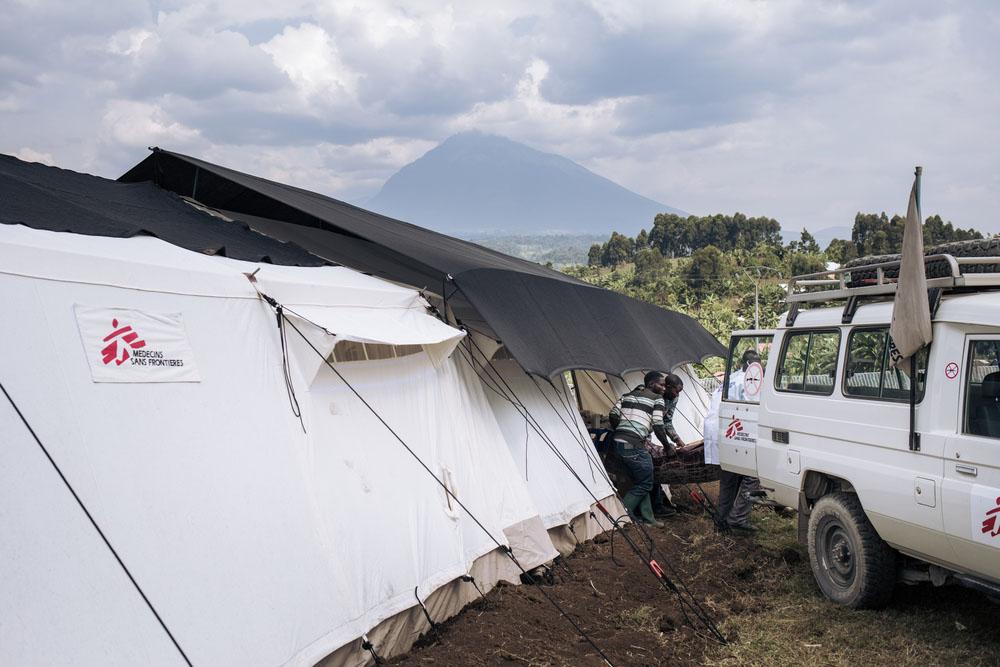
x: 914, y: 436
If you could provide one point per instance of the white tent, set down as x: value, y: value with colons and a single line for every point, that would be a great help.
x: 538, y: 417
x: 257, y: 538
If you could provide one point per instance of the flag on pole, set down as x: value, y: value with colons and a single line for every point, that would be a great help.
x: 911, y: 313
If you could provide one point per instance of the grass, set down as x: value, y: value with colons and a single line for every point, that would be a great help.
x: 643, y: 618
x: 793, y: 624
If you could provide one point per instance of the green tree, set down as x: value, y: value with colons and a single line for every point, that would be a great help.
x: 650, y: 266
x: 841, y: 251
x: 877, y: 234
x: 594, y: 255
x: 679, y: 237
x: 670, y: 234
x: 715, y: 282
x: 866, y: 226
x: 706, y: 271
x: 806, y: 243
x: 800, y: 263
x: 618, y: 250
x: 760, y: 255
x: 937, y: 231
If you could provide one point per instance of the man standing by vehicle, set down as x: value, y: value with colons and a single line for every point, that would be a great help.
x: 734, y: 489
x: 634, y: 417
x: 737, y: 381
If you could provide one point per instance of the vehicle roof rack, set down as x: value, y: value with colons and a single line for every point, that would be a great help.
x: 878, y: 281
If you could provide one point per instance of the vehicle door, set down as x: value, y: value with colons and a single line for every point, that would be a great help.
x: 971, y: 489
x: 746, y: 368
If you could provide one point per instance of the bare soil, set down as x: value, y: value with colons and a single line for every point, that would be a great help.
x: 759, y: 590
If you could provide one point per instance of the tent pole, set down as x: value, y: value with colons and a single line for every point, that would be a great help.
x: 576, y: 391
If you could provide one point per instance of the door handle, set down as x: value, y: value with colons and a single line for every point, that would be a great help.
x: 966, y: 469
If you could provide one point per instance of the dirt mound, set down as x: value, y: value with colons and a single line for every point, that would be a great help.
x: 613, y: 596
x: 759, y: 590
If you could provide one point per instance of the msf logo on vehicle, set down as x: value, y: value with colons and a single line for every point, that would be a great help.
x: 119, y: 342
x: 991, y: 524
x: 735, y: 426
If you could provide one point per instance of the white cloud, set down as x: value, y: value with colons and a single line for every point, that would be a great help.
x: 527, y: 116
x: 140, y: 124
x: 310, y: 59
x: 128, y: 42
x: 31, y: 155
x: 196, y: 61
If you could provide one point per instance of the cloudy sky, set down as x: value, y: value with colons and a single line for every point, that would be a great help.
x: 804, y: 111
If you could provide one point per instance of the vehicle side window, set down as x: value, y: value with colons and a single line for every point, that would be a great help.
x: 809, y: 362
x: 896, y: 381
x: 867, y: 373
x: 982, y: 389
x: 865, y: 356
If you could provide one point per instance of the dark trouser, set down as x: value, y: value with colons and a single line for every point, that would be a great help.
x: 739, y: 515
x: 659, y: 499
x: 639, y: 464
x: 734, y: 503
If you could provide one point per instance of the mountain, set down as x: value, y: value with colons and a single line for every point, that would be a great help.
x: 476, y: 183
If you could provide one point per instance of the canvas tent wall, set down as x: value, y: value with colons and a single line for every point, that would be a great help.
x: 257, y: 542
x: 546, y: 320
x: 537, y: 417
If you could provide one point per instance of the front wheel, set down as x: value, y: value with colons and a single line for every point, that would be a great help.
x: 853, y: 566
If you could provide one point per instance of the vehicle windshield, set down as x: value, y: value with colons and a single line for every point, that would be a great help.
x: 746, y: 366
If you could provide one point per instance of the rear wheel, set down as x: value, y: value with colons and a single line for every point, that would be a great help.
x: 853, y: 566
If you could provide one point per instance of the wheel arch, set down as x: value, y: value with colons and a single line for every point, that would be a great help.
x: 816, y: 484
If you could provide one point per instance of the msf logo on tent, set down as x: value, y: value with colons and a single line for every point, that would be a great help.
x: 735, y: 426
x: 119, y: 341
x: 991, y: 524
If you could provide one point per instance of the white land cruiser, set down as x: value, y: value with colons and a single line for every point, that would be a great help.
x: 813, y: 410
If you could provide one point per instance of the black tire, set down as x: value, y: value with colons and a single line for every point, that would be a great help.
x: 853, y: 566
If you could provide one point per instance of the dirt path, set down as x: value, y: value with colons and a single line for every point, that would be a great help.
x: 759, y: 591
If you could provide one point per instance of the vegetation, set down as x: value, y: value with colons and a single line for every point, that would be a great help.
x: 557, y: 250
x: 794, y: 626
x: 719, y: 268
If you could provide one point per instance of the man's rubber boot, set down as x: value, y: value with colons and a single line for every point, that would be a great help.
x: 645, y: 510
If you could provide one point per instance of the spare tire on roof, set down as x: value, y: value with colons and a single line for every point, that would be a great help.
x: 989, y: 247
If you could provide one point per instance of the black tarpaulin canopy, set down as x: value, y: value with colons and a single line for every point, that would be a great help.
x: 548, y: 321
x: 59, y: 200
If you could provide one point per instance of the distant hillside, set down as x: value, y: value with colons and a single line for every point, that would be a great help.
x: 474, y: 183
x: 558, y: 249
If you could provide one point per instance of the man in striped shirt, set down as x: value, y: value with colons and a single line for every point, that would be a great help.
x: 636, y: 415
